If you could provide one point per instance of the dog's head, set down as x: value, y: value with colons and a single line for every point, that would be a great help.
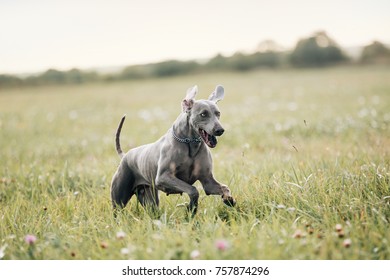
x: 204, y: 114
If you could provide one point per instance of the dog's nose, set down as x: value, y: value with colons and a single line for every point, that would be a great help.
x: 219, y: 132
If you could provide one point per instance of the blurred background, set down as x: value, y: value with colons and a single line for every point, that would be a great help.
x: 70, y: 42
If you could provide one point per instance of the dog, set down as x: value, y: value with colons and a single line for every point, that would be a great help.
x: 177, y: 160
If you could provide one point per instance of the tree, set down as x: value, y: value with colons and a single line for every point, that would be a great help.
x: 317, y: 50
x: 218, y: 62
x: 52, y: 76
x: 376, y: 52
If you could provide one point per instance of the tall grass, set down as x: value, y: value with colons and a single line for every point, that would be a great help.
x: 303, y: 151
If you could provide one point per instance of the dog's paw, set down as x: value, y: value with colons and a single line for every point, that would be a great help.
x: 229, y: 201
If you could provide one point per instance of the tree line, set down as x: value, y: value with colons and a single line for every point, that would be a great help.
x: 318, y: 50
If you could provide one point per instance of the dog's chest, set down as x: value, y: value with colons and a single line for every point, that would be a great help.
x: 189, y: 171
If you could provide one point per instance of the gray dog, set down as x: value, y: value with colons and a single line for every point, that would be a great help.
x: 177, y: 160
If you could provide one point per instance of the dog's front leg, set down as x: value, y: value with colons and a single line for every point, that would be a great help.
x: 168, y: 183
x: 212, y: 186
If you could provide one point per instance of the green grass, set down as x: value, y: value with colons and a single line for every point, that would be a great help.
x: 303, y: 151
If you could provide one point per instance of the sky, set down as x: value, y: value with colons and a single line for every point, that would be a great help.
x: 36, y: 35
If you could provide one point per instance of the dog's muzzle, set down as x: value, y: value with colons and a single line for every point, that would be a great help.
x: 211, y: 139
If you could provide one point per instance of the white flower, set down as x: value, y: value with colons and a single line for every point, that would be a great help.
x: 125, y: 251
x: 2, y: 249
x: 347, y: 243
x: 195, y: 254
x: 158, y: 223
x: 120, y: 235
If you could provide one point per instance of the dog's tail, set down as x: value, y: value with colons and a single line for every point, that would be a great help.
x: 118, y: 133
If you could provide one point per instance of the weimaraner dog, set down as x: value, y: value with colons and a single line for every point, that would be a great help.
x: 177, y: 160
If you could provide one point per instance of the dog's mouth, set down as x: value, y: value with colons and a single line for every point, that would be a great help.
x: 209, y: 139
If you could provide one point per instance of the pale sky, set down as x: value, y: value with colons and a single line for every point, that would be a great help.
x: 39, y: 34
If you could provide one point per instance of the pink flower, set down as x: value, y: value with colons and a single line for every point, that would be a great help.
x: 298, y: 234
x: 222, y: 244
x: 30, y: 239
x: 103, y: 245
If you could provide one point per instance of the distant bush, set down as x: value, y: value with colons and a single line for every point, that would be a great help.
x: 375, y: 53
x: 266, y: 59
x: 243, y: 62
x: 73, y: 76
x: 240, y: 62
x: 50, y: 77
x: 173, y: 67
x: 134, y: 72
x: 10, y: 81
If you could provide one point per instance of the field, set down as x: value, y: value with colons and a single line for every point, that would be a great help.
x: 306, y: 154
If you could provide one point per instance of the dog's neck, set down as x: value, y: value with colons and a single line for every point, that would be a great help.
x: 182, y: 129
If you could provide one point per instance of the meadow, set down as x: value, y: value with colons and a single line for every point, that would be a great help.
x: 306, y: 154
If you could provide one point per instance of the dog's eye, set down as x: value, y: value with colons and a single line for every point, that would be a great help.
x: 203, y: 114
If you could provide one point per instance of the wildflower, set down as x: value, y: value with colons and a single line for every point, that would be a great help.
x: 347, y: 243
x: 125, y: 251
x: 30, y: 239
x: 103, y: 245
x: 120, y: 235
x: 195, y: 254
x: 222, y: 245
x: 339, y: 227
x: 2, y: 249
x: 341, y: 233
x: 297, y: 234
x: 158, y: 223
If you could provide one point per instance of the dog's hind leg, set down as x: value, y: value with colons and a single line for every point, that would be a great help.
x: 122, y: 186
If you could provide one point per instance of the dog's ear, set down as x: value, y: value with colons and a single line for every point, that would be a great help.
x: 218, y: 94
x: 189, y: 100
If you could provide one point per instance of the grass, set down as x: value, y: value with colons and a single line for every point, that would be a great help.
x: 303, y: 151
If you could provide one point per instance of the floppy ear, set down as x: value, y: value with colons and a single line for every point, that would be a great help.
x: 218, y: 94
x: 189, y: 100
